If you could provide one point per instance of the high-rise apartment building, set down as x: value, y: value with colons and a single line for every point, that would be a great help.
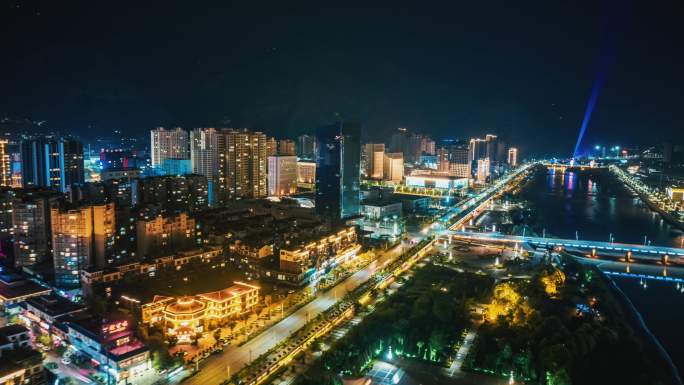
x: 374, y: 156
x: 460, y: 165
x: 186, y: 192
x: 82, y: 237
x: 513, y: 156
x: 5, y: 169
x: 483, y: 170
x: 171, y: 144
x: 492, y: 147
x: 31, y: 227
x: 477, y: 149
x: 399, y: 141
x: 393, y: 166
x: 286, y: 147
x: 207, y: 146
x: 246, y: 164
x: 271, y: 147
x: 51, y: 162
x: 306, y: 147
x: 282, y: 175
x: 338, y: 190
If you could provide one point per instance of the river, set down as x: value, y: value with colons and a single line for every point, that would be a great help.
x: 593, y: 205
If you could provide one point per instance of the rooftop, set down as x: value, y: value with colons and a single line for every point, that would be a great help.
x: 53, y: 305
x: 20, y: 288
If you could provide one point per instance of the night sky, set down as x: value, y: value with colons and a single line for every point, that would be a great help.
x: 451, y: 69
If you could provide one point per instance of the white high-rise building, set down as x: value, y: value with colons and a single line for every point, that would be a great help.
x: 168, y: 144
x: 482, y: 170
x: 207, y: 152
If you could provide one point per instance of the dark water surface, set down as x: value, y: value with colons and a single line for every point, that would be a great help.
x: 595, y: 205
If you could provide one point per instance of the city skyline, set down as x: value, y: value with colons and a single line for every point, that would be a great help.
x: 475, y: 77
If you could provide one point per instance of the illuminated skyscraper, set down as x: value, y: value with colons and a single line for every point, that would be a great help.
x: 492, y: 147
x: 245, y: 174
x: 31, y: 227
x: 52, y: 163
x: 271, y: 147
x: 169, y: 144
x: 513, y: 156
x: 393, y: 167
x: 207, y: 147
x: 477, y: 149
x: 81, y: 237
x: 374, y: 155
x: 483, y: 170
x: 5, y: 170
x: 338, y: 190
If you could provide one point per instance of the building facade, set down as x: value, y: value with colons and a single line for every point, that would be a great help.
x: 393, y: 167
x: 51, y: 162
x: 282, y: 175
x: 171, y: 144
x: 338, y: 190
x: 81, y: 237
x: 374, y: 157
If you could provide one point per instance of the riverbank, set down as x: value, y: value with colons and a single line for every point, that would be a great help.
x: 638, y: 325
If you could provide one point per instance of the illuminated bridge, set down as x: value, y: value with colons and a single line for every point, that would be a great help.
x: 652, y: 252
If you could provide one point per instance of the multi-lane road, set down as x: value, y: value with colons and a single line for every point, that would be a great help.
x: 217, y: 368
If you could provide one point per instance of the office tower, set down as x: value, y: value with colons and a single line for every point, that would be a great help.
x: 207, y: 152
x: 513, y: 156
x: 52, y: 163
x: 246, y: 164
x: 173, y: 145
x: 306, y: 148
x: 286, y: 147
x: 374, y: 155
x: 306, y: 173
x: 31, y: 227
x: 164, y: 234
x: 477, y: 149
x: 282, y: 175
x: 338, y: 172
x: 5, y: 169
x: 459, y: 163
x: 483, y: 170
x: 399, y: 141
x: 393, y: 167
x: 82, y: 237
x: 491, y: 147
x: 271, y: 147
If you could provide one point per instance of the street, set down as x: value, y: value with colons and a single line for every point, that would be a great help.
x: 218, y: 368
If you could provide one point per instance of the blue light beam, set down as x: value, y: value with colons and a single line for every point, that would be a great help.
x: 593, y: 98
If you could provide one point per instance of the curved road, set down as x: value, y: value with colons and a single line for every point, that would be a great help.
x: 215, y: 369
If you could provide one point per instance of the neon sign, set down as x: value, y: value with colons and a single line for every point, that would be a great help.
x: 115, y: 327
